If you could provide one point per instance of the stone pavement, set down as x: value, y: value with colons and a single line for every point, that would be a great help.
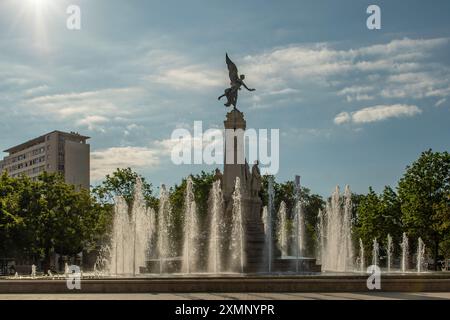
x: 234, y: 296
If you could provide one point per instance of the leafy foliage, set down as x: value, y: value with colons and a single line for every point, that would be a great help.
x: 424, y: 192
x: 121, y: 183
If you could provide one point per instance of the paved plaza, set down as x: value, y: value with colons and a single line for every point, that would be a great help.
x: 235, y: 296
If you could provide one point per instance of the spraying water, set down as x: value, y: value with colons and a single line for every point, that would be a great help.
x: 389, y: 249
x: 237, y: 232
x: 320, y: 236
x: 361, y: 256
x: 33, y: 271
x: 282, y: 231
x: 299, y: 223
x: 265, y: 216
x: 268, y: 221
x: 142, y: 228
x: 216, y: 227
x: 375, y: 252
x: 131, y: 234
x: 405, y: 247
x: 191, y: 230
x: 420, y: 254
x: 121, y: 239
x: 337, y: 250
x: 164, y: 228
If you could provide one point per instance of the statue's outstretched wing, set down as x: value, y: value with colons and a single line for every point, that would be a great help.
x: 232, y: 69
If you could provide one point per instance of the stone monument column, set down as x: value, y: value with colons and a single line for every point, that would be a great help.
x: 234, y: 153
x: 235, y: 165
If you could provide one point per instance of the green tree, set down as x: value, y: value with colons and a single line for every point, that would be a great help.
x: 122, y: 183
x: 38, y: 218
x: 378, y: 216
x: 10, y: 221
x: 202, y: 185
x: 370, y: 219
x: 424, y: 193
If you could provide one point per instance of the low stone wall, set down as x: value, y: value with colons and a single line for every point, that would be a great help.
x: 339, y: 283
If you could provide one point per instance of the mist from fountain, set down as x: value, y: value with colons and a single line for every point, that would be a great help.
x: 337, y: 249
x: 131, y: 234
x: 361, y: 256
x: 282, y: 229
x: 164, y: 244
x: 121, y: 240
x: 299, y: 225
x: 268, y: 222
x: 320, y: 245
x: 143, y: 227
x: 216, y: 227
x: 389, y: 251
x: 420, y: 254
x: 191, y: 230
x: 237, y: 249
x: 375, y: 252
x: 405, y: 252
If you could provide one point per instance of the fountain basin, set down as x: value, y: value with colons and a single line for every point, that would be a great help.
x: 432, y: 282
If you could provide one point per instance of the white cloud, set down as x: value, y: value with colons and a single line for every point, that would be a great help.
x: 342, y: 117
x: 190, y: 77
x: 106, y: 161
x: 92, y: 121
x: 402, y: 68
x: 88, y: 108
x: 377, y: 113
x: 440, y: 102
x: 36, y: 90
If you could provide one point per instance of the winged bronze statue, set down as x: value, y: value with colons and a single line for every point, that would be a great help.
x: 236, y: 81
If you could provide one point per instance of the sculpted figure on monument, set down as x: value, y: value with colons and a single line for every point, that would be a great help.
x: 218, y: 176
x: 256, y: 179
x: 236, y: 81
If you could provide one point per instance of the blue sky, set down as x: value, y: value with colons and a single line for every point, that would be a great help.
x: 354, y: 106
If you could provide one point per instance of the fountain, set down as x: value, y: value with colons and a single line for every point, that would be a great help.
x: 405, y: 248
x: 420, y: 254
x: 282, y: 230
x: 216, y: 228
x: 375, y: 252
x: 33, y: 271
x: 164, y: 228
x: 131, y: 234
x: 237, y: 254
x: 299, y: 224
x: 361, y: 256
x: 191, y: 230
x: 268, y: 222
x: 337, y: 250
x: 389, y: 250
x: 320, y: 244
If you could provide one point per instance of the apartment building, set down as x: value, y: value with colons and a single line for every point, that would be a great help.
x: 66, y: 153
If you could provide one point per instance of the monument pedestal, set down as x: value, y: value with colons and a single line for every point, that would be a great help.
x: 236, y: 166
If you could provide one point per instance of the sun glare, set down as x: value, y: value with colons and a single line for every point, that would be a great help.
x: 37, y: 14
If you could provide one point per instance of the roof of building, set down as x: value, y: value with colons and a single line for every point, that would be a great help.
x: 41, y: 139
